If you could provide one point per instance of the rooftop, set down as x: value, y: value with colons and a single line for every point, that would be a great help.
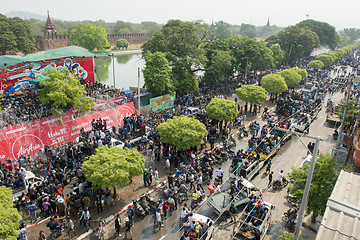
x: 342, y: 215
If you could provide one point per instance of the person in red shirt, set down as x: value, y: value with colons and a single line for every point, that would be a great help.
x: 165, y: 209
x: 192, y: 235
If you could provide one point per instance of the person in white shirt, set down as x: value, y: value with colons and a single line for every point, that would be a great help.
x: 219, y: 174
x: 280, y: 175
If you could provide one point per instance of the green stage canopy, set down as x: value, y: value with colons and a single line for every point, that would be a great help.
x: 71, y: 51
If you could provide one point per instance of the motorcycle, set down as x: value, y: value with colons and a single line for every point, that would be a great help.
x: 292, y: 199
x: 144, y: 204
x: 290, y: 219
x: 280, y: 184
x: 138, y: 209
x: 150, y: 200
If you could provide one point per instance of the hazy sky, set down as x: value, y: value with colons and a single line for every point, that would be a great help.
x: 341, y: 14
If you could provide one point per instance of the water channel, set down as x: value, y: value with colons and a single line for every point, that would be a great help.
x: 125, y: 67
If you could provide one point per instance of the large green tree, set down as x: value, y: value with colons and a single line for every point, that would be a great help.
x: 296, y: 42
x: 157, y: 74
x: 222, y: 30
x: 89, y: 36
x: 251, y: 94
x: 63, y: 91
x: 290, y: 76
x: 219, y: 66
x: 122, y: 43
x: 9, y: 215
x: 112, y: 167
x: 15, y: 36
x: 316, y: 64
x: 327, y: 33
x: 182, y: 132
x: 324, y: 178
x: 273, y: 83
x: 302, y: 72
x: 183, y: 44
x: 327, y: 59
x: 278, y: 54
x: 250, y: 54
x: 222, y: 109
x: 248, y: 30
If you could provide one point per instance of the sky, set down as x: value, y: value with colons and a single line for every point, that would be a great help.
x: 340, y: 14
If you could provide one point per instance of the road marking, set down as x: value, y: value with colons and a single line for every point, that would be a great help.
x: 163, y: 237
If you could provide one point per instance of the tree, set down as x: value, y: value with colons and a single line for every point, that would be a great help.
x: 182, y: 132
x: 248, y: 30
x: 249, y: 54
x: 296, y: 42
x: 327, y: 33
x: 219, y: 66
x: 9, y: 215
x: 273, y: 83
x: 122, y: 43
x: 290, y: 76
x: 183, y: 44
x: 15, y: 36
x: 157, y: 74
x: 89, y: 36
x: 352, y: 34
x: 316, y: 64
x: 222, y: 30
x: 64, y: 91
x: 222, y: 109
x: 302, y: 72
x: 324, y: 178
x: 327, y: 59
x: 251, y: 94
x: 124, y: 31
x: 278, y: 54
x: 112, y: 167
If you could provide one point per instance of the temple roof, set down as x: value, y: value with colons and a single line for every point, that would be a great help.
x: 49, y: 26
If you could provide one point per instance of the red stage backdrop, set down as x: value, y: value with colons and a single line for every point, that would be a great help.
x: 29, y: 138
x: 23, y: 76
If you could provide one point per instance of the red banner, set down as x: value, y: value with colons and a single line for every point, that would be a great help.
x: 23, y: 76
x: 29, y: 138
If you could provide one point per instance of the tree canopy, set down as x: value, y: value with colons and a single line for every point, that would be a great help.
x: 296, y: 42
x: 222, y: 109
x: 64, y: 91
x: 157, y: 74
x: 302, y: 72
x: 290, y: 76
x: 112, y: 167
x: 327, y: 33
x: 273, y: 83
x: 327, y: 59
x: 316, y: 64
x: 122, y: 43
x: 182, y: 132
x: 15, y: 36
x: 251, y: 94
x: 89, y: 36
x: 9, y: 215
x: 182, y: 43
x: 324, y: 178
x: 248, y: 30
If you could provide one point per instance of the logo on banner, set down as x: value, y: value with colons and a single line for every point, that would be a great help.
x: 26, y: 145
x: 124, y: 111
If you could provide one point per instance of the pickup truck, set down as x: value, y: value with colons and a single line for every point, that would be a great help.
x: 202, y: 219
x: 248, y: 226
x: 30, y: 181
x: 220, y: 201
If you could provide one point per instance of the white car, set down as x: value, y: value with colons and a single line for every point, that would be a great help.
x: 30, y: 181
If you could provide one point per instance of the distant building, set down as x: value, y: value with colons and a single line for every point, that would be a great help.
x: 49, y: 27
x: 268, y: 22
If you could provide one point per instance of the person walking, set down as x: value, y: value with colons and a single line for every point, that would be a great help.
x: 270, y: 178
x: 22, y: 232
x: 70, y: 224
x: 128, y: 226
x: 200, y: 182
x: 118, y: 225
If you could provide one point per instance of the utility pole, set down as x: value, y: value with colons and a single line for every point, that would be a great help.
x: 113, y: 60
x: 138, y: 91
x: 343, y: 120
x: 306, y: 190
x: 308, y: 180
